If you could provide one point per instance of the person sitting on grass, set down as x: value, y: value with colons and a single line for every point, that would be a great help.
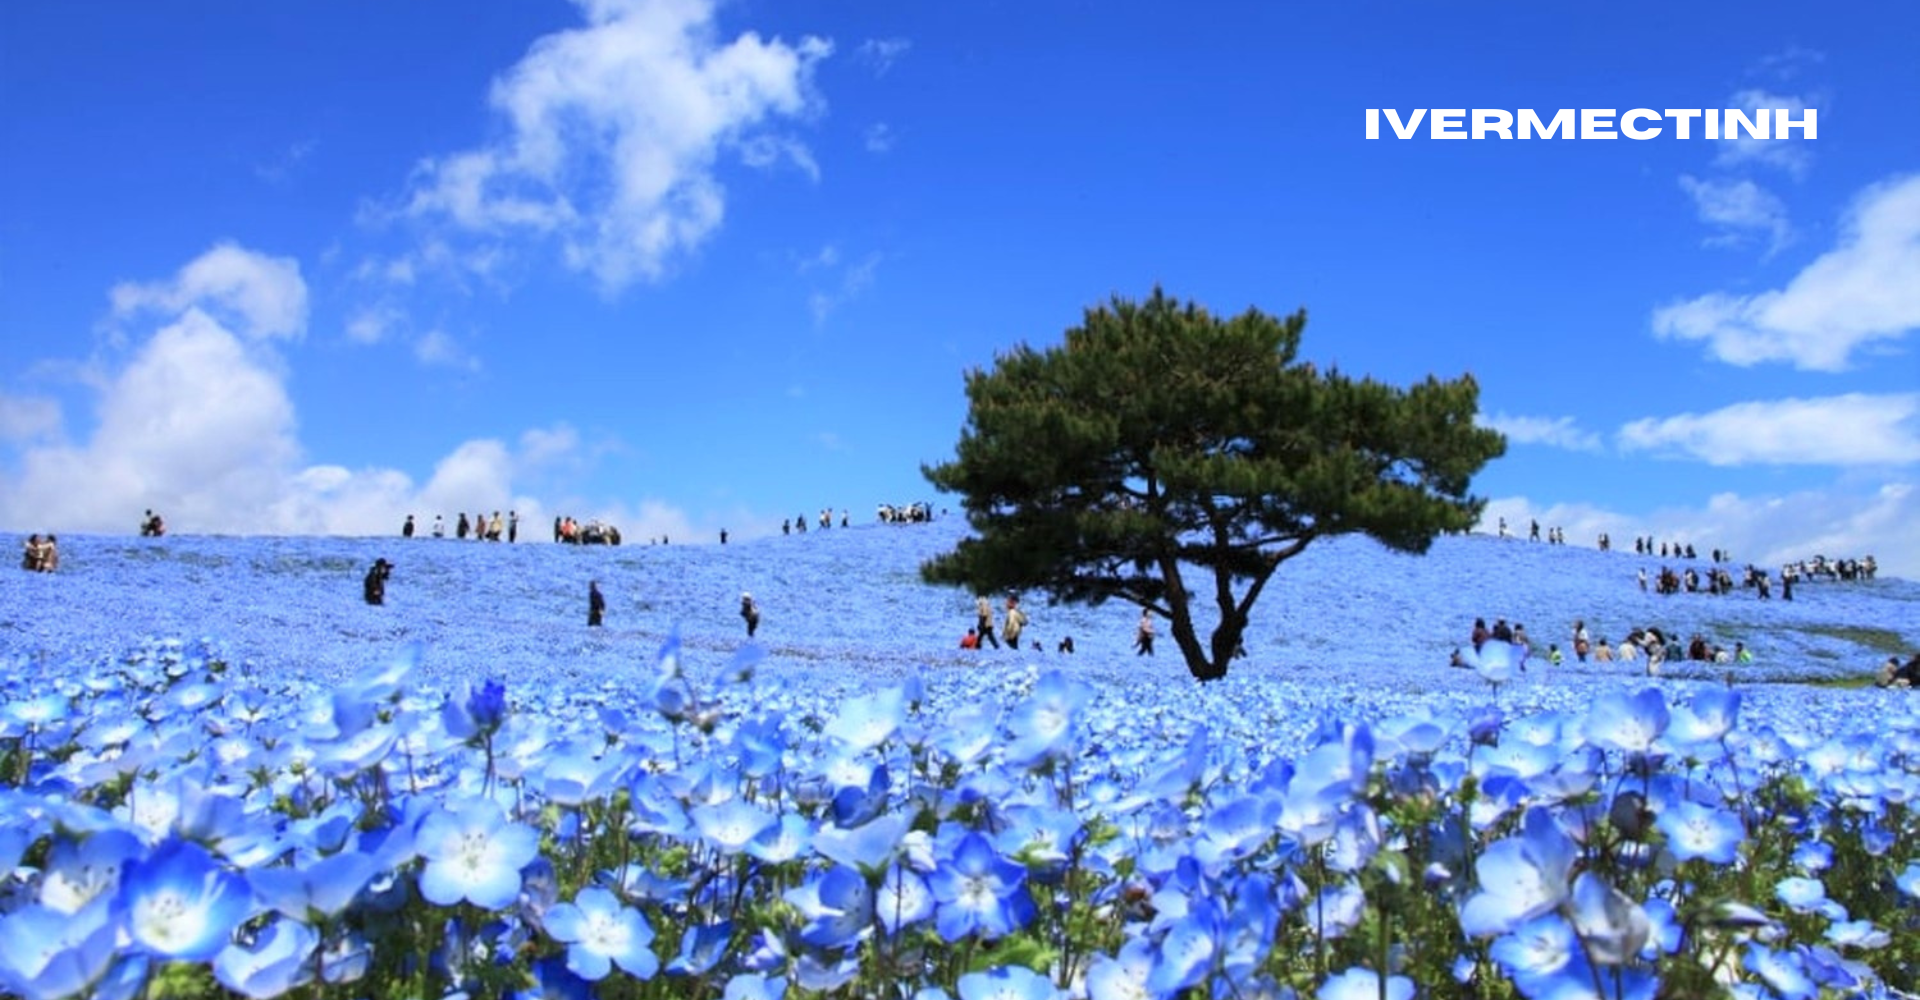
x: 971, y: 640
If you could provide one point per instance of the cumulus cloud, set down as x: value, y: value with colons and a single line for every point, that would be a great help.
x: 1739, y: 210
x: 28, y: 418
x: 262, y: 297
x: 1557, y: 432
x: 1854, y: 429
x: 437, y: 348
x: 197, y: 423
x: 1860, y: 292
x: 612, y: 131
x: 1766, y: 530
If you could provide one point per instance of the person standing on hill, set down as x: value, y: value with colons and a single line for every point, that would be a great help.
x: 596, y: 604
x: 749, y: 613
x: 406, y: 530
x: 1016, y: 622
x: 513, y: 526
x: 983, y: 610
x: 439, y: 526
x: 1143, y: 634
x: 460, y: 527
x: 374, y: 587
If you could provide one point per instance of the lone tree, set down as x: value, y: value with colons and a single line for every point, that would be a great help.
x: 1160, y: 435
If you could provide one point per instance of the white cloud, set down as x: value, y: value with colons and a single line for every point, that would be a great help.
x: 1854, y: 429
x: 879, y: 54
x: 854, y: 280
x: 879, y: 138
x: 1558, y: 432
x: 764, y: 152
x: 612, y: 133
x: 28, y: 418
x: 1764, y: 530
x: 264, y: 297
x: 1862, y: 291
x: 1790, y: 155
x: 436, y: 347
x: 371, y: 326
x: 1739, y: 209
x: 197, y: 424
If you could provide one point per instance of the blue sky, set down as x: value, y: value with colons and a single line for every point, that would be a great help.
x: 310, y: 267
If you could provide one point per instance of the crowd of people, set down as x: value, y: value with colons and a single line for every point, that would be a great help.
x: 1650, y: 645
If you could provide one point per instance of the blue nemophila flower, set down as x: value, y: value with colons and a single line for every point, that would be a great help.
x: 601, y: 933
x: 1612, y: 926
x: 1858, y: 934
x: 1520, y: 877
x: 978, y: 890
x: 1365, y: 984
x: 1783, y: 971
x: 867, y: 847
x: 838, y: 906
x: 732, y: 824
x: 1707, y: 718
x: 1187, y: 951
x: 323, y: 887
x: 1808, y: 895
x: 1122, y: 976
x: 48, y: 954
x: 477, y: 713
x: 1629, y: 724
x: 78, y: 873
x: 903, y: 899
x: 1697, y: 831
x: 1495, y: 661
x: 701, y: 948
x: 474, y: 854
x: 1908, y: 880
x: 1043, y: 724
x: 180, y: 903
x: 748, y: 986
x: 552, y: 980
x: 1010, y: 982
x: 279, y: 961
x: 870, y: 720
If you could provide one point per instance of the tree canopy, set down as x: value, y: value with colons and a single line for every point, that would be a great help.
x: 1159, y: 436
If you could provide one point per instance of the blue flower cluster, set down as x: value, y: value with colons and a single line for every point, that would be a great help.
x: 173, y: 823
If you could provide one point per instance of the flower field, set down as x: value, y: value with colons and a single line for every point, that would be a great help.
x: 222, y: 774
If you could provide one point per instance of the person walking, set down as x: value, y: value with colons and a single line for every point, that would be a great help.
x: 984, y: 628
x: 750, y: 613
x: 596, y: 604
x: 1016, y: 622
x: 1143, y: 635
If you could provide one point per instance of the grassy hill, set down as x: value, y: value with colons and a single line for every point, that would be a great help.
x: 850, y: 599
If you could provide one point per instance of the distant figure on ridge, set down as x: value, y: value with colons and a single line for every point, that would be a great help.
x: 406, y: 530
x: 439, y: 526
x: 750, y: 613
x: 513, y: 526
x: 375, y: 586
x: 596, y: 604
x: 152, y: 526
x: 461, y: 527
